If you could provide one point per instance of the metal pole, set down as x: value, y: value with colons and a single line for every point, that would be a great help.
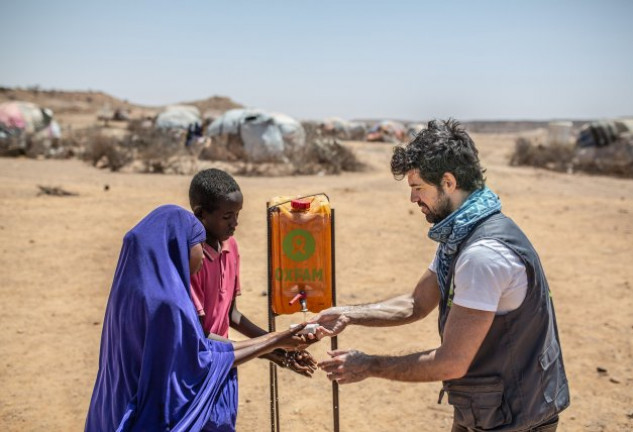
x: 334, y: 340
x: 272, y: 368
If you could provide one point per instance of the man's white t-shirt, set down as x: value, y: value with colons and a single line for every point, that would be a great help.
x: 488, y: 277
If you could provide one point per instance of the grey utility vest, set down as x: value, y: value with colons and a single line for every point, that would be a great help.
x: 517, y: 378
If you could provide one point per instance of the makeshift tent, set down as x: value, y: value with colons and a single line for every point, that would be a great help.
x: 257, y: 135
x: 342, y: 129
x: 357, y: 131
x: 23, y: 117
x: 52, y: 131
x: 334, y: 127
x: 178, y: 117
x: 603, y: 133
x: 387, y: 131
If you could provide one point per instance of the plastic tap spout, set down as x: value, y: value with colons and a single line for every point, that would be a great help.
x: 303, y: 300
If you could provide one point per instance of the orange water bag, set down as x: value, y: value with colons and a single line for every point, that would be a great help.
x: 300, y: 248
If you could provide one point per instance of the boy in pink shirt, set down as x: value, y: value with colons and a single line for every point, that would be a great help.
x: 216, y: 200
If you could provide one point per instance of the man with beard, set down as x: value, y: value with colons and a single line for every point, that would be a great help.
x: 500, y: 359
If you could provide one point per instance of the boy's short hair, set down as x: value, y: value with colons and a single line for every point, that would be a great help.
x: 209, y: 187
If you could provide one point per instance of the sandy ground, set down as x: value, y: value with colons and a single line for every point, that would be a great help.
x: 58, y: 255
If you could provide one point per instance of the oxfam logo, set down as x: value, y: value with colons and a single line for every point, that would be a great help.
x: 299, y: 245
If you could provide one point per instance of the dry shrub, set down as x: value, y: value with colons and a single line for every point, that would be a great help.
x: 555, y: 156
x: 327, y: 156
x: 319, y: 155
x: 264, y: 169
x: 161, y: 151
x: 323, y: 155
x: 12, y: 146
x: 33, y: 146
x: 156, y: 151
x: 615, y: 159
x: 106, y: 152
x: 222, y: 149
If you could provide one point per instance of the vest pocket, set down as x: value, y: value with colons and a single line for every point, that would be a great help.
x: 479, y: 402
x: 553, y: 377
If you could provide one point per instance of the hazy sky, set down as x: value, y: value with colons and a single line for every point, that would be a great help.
x: 355, y: 59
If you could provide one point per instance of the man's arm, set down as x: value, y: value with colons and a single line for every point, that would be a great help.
x: 395, y: 311
x: 463, y: 335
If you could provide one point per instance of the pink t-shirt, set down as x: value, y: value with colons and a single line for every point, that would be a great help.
x: 215, y: 286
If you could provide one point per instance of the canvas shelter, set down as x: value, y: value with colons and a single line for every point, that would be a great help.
x: 357, y: 130
x: 387, y: 131
x: 178, y: 117
x: 23, y: 117
x: 257, y: 135
x: 602, y: 133
x: 52, y: 132
x: 335, y: 127
x: 342, y: 129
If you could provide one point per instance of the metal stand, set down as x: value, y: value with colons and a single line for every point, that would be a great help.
x: 334, y: 340
x: 274, y: 394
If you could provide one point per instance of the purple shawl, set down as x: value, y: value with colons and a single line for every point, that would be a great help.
x: 157, y: 371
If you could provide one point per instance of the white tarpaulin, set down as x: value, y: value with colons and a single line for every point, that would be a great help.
x: 178, y: 117
x: 263, y: 136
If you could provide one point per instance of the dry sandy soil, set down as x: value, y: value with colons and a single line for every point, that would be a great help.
x: 58, y: 255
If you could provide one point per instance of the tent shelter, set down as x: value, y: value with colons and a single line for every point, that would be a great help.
x: 23, y: 117
x: 387, y: 131
x: 602, y: 133
x: 178, y: 117
x: 257, y: 135
x: 342, y: 129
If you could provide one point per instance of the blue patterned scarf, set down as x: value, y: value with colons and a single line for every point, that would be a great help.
x: 451, y: 231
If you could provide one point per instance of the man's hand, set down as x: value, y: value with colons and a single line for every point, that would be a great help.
x: 300, y: 362
x: 331, y: 322
x: 347, y: 366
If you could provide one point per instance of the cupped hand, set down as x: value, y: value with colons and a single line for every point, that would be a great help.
x: 300, y: 362
x: 347, y: 366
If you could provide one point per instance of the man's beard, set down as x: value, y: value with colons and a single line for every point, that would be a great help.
x: 441, y: 211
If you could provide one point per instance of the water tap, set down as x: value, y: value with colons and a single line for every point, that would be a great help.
x: 303, y: 300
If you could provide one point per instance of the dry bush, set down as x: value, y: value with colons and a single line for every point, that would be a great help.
x: 327, y: 156
x: 555, y: 156
x: 319, y: 155
x: 323, y: 155
x: 33, y: 146
x: 615, y: 159
x: 106, y: 152
x: 264, y: 169
x: 159, y: 151
x: 225, y: 148
x: 12, y: 146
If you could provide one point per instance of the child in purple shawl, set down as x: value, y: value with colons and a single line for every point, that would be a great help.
x: 157, y: 371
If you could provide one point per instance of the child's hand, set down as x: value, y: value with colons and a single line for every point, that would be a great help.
x: 300, y: 362
x: 291, y: 339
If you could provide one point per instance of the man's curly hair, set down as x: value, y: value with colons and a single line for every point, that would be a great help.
x: 443, y: 146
